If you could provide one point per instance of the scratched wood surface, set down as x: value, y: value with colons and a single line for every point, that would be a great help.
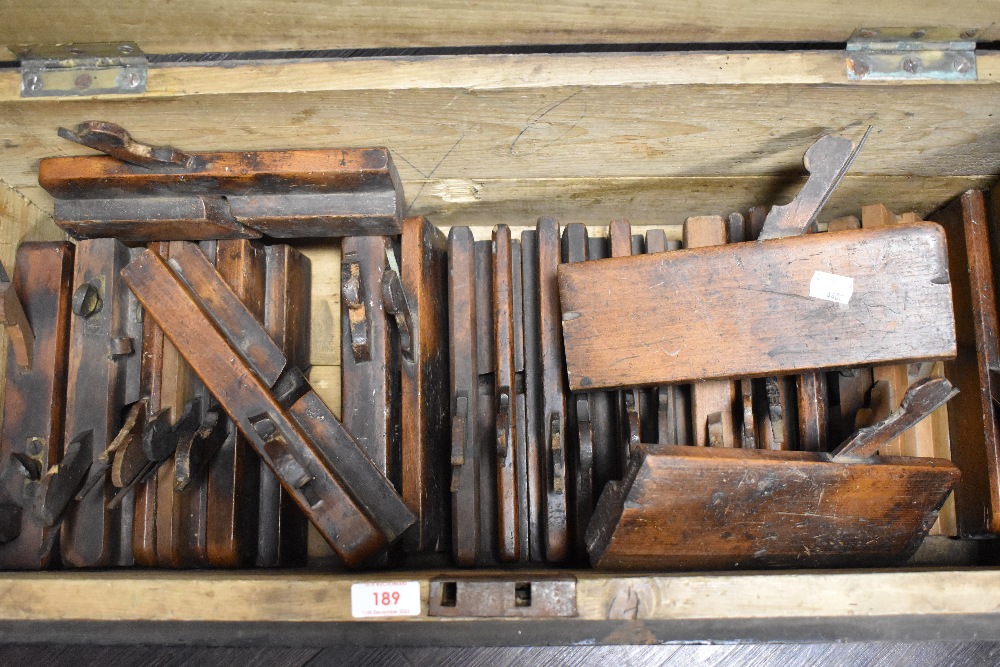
x: 393, y: 23
x: 681, y: 332
x: 834, y: 654
x: 425, y: 410
x: 973, y: 419
x: 693, y: 508
x: 548, y: 107
x: 221, y: 596
x: 439, y: 134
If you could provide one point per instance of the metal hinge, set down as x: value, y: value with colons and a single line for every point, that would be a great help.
x: 911, y: 54
x: 111, y: 68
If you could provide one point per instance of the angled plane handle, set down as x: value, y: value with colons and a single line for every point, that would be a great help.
x: 60, y: 483
x: 924, y: 397
x: 118, y: 143
x: 827, y: 160
x: 12, y: 316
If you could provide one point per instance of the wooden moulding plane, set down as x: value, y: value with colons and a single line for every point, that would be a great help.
x: 319, y: 464
x: 686, y: 508
x: 139, y: 193
x: 788, y: 303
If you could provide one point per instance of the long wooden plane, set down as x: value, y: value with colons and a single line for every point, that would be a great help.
x: 811, y: 302
x: 142, y: 193
x: 703, y: 508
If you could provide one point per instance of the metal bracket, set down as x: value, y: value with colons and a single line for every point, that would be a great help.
x: 353, y: 295
x: 111, y: 68
x: 525, y: 596
x: 911, y: 54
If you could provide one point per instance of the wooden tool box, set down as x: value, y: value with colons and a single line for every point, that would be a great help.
x: 644, y: 110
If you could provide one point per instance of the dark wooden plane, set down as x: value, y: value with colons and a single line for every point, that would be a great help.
x: 283, y: 529
x: 140, y: 193
x: 511, y: 471
x: 704, y: 508
x: 94, y: 535
x: 349, y: 501
x: 419, y: 303
x: 36, y: 312
x: 975, y: 431
x: 553, y: 414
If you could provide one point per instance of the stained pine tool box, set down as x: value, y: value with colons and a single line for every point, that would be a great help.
x: 459, y: 125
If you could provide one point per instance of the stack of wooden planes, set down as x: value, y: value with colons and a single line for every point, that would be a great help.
x: 752, y: 394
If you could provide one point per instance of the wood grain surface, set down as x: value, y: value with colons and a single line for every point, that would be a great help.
x: 710, y: 399
x: 218, y: 173
x: 282, y: 532
x: 93, y: 535
x: 189, y: 27
x: 972, y: 414
x: 692, y: 508
x: 370, y: 383
x: 349, y: 526
x: 466, y: 503
x: 685, y: 331
x: 234, y: 472
x: 555, y: 417
x: 35, y: 398
x: 425, y: 413
x: 509, y: 500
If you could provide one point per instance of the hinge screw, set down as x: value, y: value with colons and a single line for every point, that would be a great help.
x: 33, y: 82
x: 860, y: 67
x: 125, y: 48
x: 968, y: 34
x: 911, y: 65
x: 867, y: 33
x: 131, y: 79
x: 961, y: 65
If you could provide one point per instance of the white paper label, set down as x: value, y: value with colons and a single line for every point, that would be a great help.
x: 831, y: 287
x: 385, y: 598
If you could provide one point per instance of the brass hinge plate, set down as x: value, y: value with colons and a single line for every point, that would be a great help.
x: 60, y: 70
x: 911, y: 54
